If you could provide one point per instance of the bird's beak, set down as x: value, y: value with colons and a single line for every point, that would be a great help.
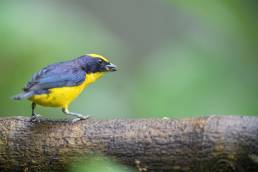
x: 111, y: 67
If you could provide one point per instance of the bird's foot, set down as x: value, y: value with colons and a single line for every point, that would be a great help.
x: 77, y: 115
x: 35, y: 118
x: 80, y: 117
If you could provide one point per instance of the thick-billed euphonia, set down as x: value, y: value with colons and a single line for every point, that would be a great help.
x: 57, y: 85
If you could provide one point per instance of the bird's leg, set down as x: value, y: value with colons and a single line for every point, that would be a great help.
x: 78, y: 115
x: 34, y: 116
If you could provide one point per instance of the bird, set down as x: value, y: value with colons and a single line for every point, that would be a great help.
x: 58, y: 84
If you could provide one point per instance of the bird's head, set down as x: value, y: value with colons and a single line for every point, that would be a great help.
x: 94, y: 63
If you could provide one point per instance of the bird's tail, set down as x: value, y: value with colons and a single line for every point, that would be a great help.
x: 23, y: 95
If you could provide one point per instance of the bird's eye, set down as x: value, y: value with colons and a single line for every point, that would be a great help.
x: 100, y: 61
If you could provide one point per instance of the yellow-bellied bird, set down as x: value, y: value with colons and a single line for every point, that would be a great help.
x: 57, y: 85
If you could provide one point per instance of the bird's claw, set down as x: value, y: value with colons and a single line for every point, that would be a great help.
x: 35, y: 118
x: 81, y: 117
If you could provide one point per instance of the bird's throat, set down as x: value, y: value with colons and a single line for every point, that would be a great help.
x: 92, y: 77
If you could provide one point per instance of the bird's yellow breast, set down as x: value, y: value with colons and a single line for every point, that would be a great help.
x: 63, y: 96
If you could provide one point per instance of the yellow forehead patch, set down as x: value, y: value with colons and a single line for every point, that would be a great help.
x: 98, y: 56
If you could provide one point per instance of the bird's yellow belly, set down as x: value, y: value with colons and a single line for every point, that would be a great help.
x: 63, y: 96
x: 57, y: 97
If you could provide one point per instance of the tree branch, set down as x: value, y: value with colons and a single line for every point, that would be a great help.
x: 205, y: 144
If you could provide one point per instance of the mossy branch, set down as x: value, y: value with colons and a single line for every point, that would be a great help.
x: 204, y: 144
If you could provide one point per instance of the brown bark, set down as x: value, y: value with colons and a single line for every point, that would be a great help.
x: 205, y: 144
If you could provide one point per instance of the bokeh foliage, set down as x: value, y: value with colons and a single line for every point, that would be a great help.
x: 98, y: 164
x: 177, y: 58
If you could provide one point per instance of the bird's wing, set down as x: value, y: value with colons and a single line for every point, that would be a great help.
x: 57, y: 75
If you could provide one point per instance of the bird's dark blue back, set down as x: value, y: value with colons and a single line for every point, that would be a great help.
x: 68, y: 73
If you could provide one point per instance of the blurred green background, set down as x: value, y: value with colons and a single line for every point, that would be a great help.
x: 177, y: 58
